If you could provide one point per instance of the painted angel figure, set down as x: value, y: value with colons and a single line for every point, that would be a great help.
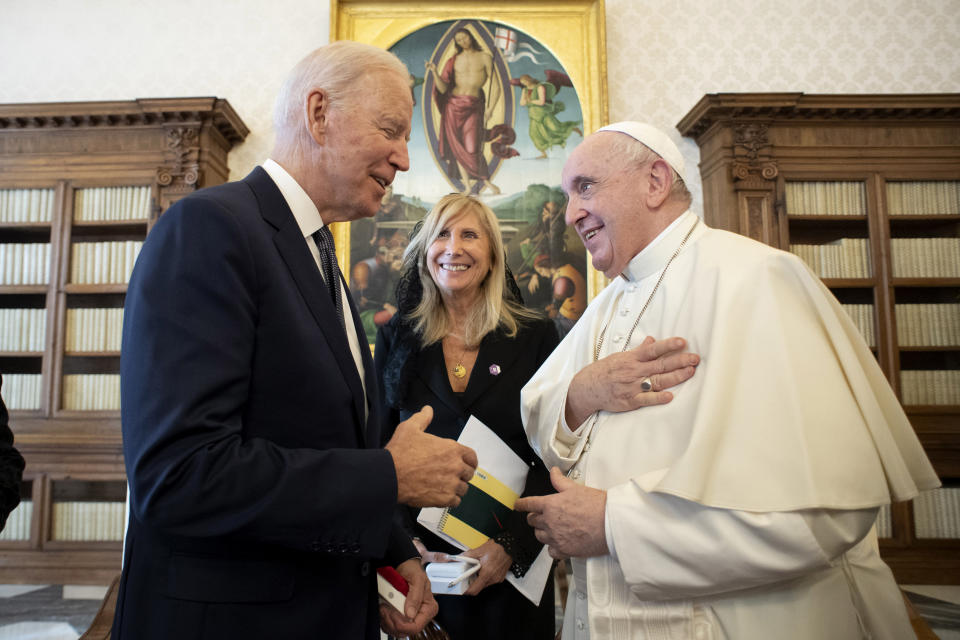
x: 546, y: 130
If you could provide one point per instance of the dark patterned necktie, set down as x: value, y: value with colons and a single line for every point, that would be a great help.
x: 331, y: 270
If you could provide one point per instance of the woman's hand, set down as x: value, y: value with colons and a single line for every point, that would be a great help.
x: 494, y: 564
x: 429, y: 556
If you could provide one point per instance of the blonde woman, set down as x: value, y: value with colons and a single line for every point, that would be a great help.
x: 463, y: 343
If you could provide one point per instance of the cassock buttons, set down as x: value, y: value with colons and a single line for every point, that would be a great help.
x: 365, y: 569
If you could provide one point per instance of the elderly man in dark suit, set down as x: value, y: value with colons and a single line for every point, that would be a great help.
x: 261, y: 504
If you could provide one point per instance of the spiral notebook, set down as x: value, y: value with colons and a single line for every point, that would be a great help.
x: 492, y: 492
x: 481, y: 512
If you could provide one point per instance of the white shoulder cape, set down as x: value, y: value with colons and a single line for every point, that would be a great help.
x: 787, y: 410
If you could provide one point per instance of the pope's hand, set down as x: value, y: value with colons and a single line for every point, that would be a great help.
x: 613, y: 383
x: 571, y: 521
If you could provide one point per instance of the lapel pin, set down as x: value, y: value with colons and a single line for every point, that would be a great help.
x: 494, y: 369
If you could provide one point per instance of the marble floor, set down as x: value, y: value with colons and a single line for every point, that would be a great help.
x: 58, y: 612
x: 47, y: 612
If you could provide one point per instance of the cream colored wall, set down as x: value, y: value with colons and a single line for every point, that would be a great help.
x: 241, y: 50
x: 662, y: 56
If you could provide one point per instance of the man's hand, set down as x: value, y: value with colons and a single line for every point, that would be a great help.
x: 494, y: 564
x: 420, y: 608
x: 613, y: 383
x: 431, y: 471
x: 571, y: 521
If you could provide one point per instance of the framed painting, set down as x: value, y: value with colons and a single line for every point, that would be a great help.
x: 503, y: 91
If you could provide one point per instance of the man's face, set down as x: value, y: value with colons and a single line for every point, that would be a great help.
x: 463, y: 40
x: 365, y: 146
x: 603, y: 204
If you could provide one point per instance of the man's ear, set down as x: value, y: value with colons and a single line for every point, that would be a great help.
x: 315, y: 114
x: 660, y: 183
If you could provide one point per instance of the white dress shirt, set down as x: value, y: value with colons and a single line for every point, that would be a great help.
x: 308, y: 219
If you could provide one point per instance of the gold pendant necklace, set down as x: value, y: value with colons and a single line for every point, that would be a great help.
x: 596, y: 352
x: 460, y: 371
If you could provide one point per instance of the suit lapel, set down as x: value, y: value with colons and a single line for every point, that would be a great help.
x: 293, y: 250
x: 495, y: 349
x: 433, y: 371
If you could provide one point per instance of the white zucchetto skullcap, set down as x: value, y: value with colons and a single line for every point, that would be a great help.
x: 656, y: 140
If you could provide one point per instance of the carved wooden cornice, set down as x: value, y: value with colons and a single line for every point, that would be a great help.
x: 183, y: 147
x: 142, y: 112
x: 752, y: 161
x: 743, y: 108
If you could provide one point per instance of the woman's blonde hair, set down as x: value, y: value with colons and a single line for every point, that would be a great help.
x: 495, y: 309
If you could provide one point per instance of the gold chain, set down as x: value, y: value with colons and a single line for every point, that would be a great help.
x: 596, y: 352
x: 459, y: 370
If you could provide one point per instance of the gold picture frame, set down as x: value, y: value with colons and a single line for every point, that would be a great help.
x: 573, y: 32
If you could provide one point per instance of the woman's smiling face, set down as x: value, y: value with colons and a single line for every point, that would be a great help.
x: 459, y: 258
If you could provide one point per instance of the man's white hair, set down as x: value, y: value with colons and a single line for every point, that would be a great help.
x: 338, y: 69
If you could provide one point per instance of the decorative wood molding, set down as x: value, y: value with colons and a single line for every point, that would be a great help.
x: 753, y: 166
x: 749, y: 107
x: 130, y: 113
x: 183, y: 147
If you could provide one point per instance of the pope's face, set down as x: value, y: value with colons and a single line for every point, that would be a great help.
x: 602, y: 203
x: 365, y: 146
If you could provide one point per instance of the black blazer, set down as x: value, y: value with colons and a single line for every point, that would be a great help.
x: 261, y: 502
x: 492, y: 395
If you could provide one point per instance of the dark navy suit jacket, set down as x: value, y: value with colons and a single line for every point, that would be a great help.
x: 261, y: 502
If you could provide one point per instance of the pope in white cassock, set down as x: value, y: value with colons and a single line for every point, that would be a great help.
x: 740, y: 504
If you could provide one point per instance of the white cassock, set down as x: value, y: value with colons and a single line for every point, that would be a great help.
x: 744, y: 508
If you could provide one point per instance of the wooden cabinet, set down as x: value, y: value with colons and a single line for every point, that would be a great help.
x: 866, y: 189
x: 80, y: 186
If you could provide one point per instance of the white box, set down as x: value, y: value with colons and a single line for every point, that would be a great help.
x: 441, y: 574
